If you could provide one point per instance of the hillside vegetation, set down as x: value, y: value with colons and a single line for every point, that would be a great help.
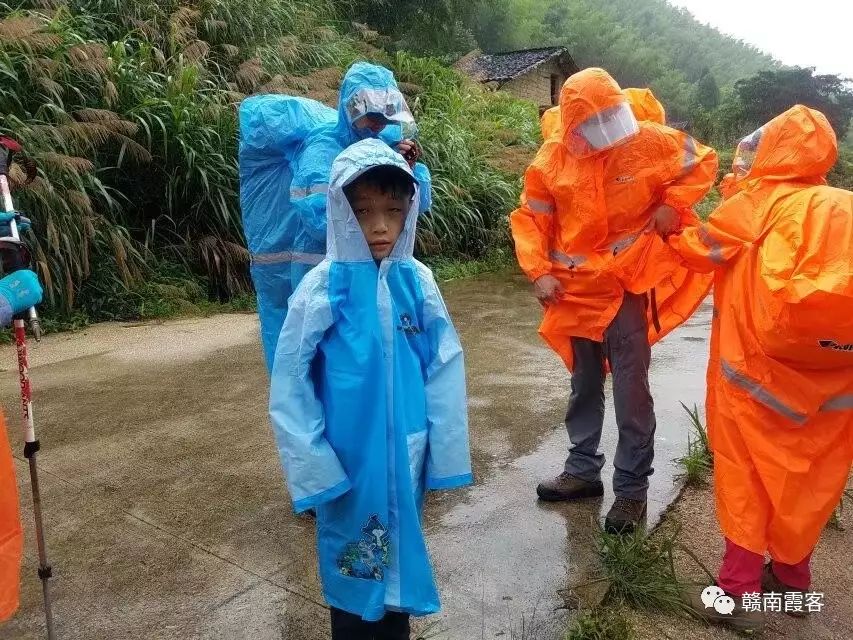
x: 129, y: 107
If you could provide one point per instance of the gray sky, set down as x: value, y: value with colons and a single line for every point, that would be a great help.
x: 806, y: 33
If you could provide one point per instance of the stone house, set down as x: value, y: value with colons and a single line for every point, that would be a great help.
x: 532, y: 74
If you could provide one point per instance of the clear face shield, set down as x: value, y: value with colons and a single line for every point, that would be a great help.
x: 371, y: 110
x: 745, y: 154
x: 604, y: 130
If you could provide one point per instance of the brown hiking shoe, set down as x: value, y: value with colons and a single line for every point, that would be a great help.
x: 793, y: 605
x: 724, y: 609
x: 624, y: 515
x: 567, y: 487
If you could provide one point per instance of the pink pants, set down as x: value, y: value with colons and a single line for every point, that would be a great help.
x: 741, y: 571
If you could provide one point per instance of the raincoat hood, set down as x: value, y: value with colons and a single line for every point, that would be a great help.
x: 345, y: 240
x: 796, y: 145
x: 550, y: 123
x: 369, y: 88
x: 645, y: 106
x: 591, y: 105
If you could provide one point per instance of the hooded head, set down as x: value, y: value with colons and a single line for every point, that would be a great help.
x: 369, y: 101
x: 550, y: 123
x: 645, y: 106
x: 796, y: 145
x: 595, y: 114
x: 345, y: 241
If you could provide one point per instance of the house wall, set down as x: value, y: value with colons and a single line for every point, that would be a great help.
x: 536, y: 85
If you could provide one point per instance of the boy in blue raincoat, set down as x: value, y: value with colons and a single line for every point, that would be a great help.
x: 367, y: 399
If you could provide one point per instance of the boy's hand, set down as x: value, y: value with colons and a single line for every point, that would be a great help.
x: 410, y: 150
x: 664, y: 220
x: 547, y: 289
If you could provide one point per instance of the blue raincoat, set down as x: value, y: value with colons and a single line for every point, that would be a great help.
x: 368, y: 407
x: 273, y: 129
x: 366, y: 88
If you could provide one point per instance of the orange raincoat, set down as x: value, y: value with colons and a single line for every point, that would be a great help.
x: 581, y: 219
x: 780, y: 376
x: 643, y: 103
x: 645, y: 106
x: 11, y: 537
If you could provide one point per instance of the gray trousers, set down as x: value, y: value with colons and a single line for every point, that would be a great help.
x: 626, y: 348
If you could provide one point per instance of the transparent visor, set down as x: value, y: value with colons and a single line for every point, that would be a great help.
x: 745, y: 154
x: 604, y: 130
x: 387, y: 105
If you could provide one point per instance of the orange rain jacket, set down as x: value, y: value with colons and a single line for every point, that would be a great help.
x: 780, y: 376
x: 645, y: 106
x: 11, y: 537
x: 643, y: 103
x: 582, y: 220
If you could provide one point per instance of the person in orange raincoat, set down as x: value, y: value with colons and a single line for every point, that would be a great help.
x: 610, y: 287
x: 643, y: 103
x: 780, y: 375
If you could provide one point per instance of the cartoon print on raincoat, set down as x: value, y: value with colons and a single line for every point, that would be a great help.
x: 779, y: 402
x: 367, y: 412
x: 368, y: 557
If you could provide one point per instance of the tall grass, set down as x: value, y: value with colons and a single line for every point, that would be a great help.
x: 460, y: 123
x: 640, y: 570
x: 698, y: 462
x: 129, y: 107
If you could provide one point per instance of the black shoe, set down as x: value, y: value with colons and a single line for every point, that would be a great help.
x: 624, y: 516
x: 567, y: 487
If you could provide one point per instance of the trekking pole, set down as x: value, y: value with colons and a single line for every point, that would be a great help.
x: 31, y: 444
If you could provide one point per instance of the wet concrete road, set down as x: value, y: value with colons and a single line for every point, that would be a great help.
x: 166, y: 512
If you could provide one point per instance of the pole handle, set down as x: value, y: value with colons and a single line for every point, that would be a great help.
x: 32, y: 314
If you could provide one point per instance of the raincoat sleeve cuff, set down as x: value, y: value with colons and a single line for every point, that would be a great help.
x: 422, y: 175
x: 299, y: 506
x: 453, y: 482
x: 535, y: 274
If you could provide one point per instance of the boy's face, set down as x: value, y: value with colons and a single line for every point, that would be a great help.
x: 381, y: 217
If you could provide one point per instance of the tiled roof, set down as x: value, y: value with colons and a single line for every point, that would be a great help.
x: 500, y: 67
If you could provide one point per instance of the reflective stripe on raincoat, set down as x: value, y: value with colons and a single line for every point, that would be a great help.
x: 368, y: 407
x: 780, y: 376
x: 581, y: 219
x: 322, y: 146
